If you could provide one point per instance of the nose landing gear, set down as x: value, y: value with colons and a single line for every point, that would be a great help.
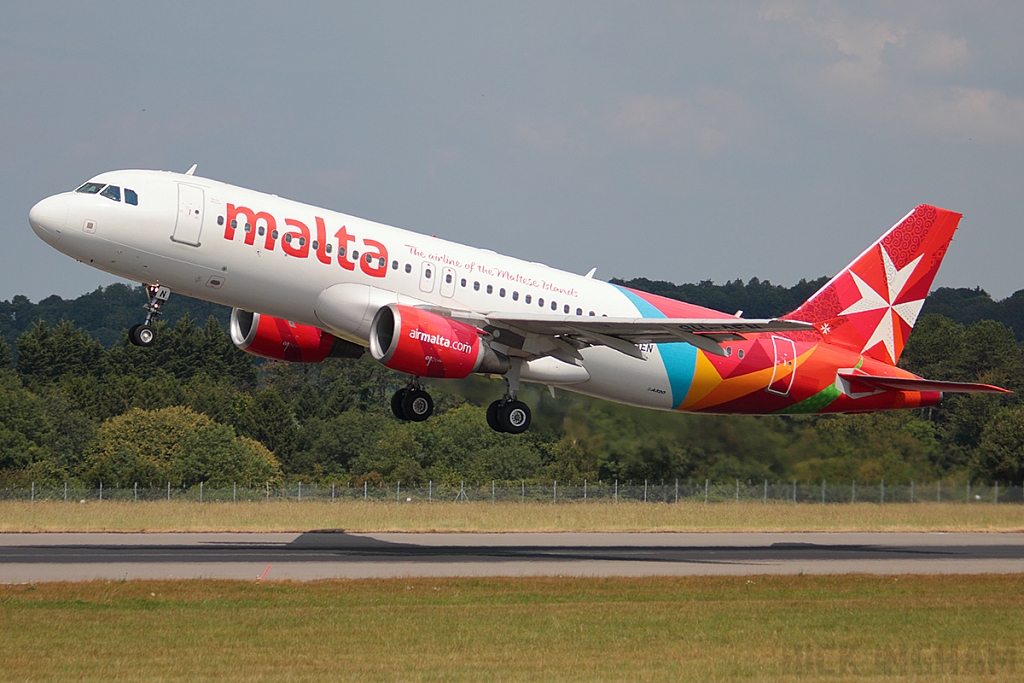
x: 412, y: 403
x: 144, y: 334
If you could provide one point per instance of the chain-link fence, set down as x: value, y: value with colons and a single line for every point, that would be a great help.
x: 555, y: 493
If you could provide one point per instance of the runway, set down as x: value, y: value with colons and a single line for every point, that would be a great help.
x: 333, y: 554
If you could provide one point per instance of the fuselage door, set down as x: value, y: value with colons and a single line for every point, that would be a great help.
x: 784, y: 371
x: 428, y: 273
x: 447, y: 281
x: 189, y: 224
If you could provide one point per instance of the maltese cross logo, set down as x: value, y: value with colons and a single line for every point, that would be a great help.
x: 890, y: 301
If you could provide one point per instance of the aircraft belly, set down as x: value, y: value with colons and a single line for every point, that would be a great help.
x: 617, y: 377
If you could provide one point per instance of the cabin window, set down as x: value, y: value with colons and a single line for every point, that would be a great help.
x: 565, y: 309
x: 262, y: 231
x: 355, y: 255
x: 408, y: 267
x: 501, y: 292
x: 448, y: 278
x: 728, y: 351
x: 90, y: 188
x: 591, y: 314
x: 302, y: 241
x: 394, y: 265
x: 274, y: 234
x: 476, y: 286
x: 540, y: 302
x: 528, y: 298
x: 490, y: 289
x: 515, y: 296
x: 327, y: 248
x: 220, y: 220
x: 112, y: 192
x: 248, y: 228
x: 369, y: 259
x: 315, y: 245
x: 287, y: 238
x: 739, y: 354
x: 463, y: 282
x: 579, y: 311
x: 130, y: 197
x: 381, y: 262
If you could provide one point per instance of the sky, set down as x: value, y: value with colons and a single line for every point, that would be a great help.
x: 674, y: 141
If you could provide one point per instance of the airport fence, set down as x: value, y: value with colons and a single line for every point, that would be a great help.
x: 603, y: 492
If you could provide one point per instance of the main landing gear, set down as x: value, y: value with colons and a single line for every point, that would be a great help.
x: 144, y: 334
x: 412, y: 403
x: 508, y: 414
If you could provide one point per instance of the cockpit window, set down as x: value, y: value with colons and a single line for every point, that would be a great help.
x: 112, y: 192
x: 90, y: 188
x: 130, y: 197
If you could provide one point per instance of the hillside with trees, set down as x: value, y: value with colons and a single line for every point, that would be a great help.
x: 79, y: 403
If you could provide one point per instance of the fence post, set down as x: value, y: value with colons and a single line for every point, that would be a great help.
x: 268, y: 491
x: 430, y: 491
x: 822, y: 491
x: 33, y: 499
x: 65, y: 492
x: 300, y: 491
x: 883, y: 490
x: 136, y: 492
x: 737, y: 490
x: 645, y: 490
x: 332, y: 491
x: 492, y: 492
x: 853, y: 492
x: 968, y: 490
x: 706, y: 490
x: 677, y: 492
x: 101, y: 490
x: 997, y: 492
x: 398, y: 493
x: 584, y: 491
x: 522, y: 498
x: 168, y: 492
x: 554, y: 494
x: 616, y: 490
x: 794, y: 490
x: 364, y: 490
x: 765, y: 492
x: 200, y: 492
x: 938, y: 491
x: 911, y: 490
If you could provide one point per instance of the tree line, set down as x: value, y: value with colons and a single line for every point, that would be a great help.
x: 193, y: 408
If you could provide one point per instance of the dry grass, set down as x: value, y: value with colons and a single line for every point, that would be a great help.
x: 688, y: 629
x: 22, y: 516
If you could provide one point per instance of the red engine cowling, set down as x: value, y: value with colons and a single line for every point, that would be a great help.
x: 425, y: 344
x: 270, y: 337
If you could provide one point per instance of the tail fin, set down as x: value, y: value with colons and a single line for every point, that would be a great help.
x: 872, y: 305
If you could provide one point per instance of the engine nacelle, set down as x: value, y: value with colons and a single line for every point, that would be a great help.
x: 270, y: 337
x: 425, y: 344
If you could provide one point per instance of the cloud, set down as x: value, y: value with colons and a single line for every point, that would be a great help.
x: 889, y: 74
x: 706, y: 122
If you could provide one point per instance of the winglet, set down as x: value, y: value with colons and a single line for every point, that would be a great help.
x: 590, y: 273
x: 191, y: 170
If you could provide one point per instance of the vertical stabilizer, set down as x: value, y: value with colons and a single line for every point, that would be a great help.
x: 872, y: 305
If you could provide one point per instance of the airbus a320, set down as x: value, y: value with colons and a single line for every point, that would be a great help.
x: 306, y: 284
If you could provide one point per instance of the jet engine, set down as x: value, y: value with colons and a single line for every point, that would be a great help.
x: 426, y: 344
x: 270, y: 337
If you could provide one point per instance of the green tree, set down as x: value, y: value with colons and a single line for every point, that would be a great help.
x: 5, y: 354
x: 45, y: 354
x: 1000, y: 453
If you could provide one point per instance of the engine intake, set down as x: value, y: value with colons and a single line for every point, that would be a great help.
x: 279, y: 339
x: 426, y: 344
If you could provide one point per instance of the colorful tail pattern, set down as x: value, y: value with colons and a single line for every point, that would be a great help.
x: 872, y: 305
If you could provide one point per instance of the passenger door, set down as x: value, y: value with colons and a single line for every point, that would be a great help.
x: 447, y: 282
x: 784, y: 371
x: 189, y: 225
x: 427, y: 276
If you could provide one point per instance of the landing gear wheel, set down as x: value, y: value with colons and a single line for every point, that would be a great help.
x: 514, y: 417
x: 142, y: 335
x: 492, y: 416
x: 396, y: 403
x: 417, y: 405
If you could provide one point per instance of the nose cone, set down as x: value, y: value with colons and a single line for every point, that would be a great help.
x: 48, y: 218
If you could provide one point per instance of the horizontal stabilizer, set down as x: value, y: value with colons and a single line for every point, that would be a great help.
x: 908, y: 384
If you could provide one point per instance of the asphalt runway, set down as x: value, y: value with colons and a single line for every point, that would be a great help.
x: 335, y: 554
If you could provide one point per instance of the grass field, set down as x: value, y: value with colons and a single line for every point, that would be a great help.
x: 23, y: 516
x: 689, y: 629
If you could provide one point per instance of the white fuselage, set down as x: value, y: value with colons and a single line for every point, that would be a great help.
x: 180, y: 235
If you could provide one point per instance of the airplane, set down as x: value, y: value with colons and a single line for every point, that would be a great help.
x: 306, y: 284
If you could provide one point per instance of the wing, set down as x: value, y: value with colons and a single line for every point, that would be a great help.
x: 563, y: 336
x: 907, y: 384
